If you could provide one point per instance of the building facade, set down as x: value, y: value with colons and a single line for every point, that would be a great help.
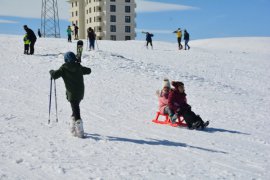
x: 110, y: 19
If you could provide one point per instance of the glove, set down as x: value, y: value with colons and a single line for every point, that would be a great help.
x: 51, y: 72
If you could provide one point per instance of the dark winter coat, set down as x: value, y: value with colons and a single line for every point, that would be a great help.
x: 177, y: 100
x: 149, y: 37
x: 72, y: 74
x: 186, y: 36
x: 31, y: 35
x: 91, y: 35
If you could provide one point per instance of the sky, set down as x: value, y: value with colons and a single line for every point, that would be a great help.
x: 202, y: 19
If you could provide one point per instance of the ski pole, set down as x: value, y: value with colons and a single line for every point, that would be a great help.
x: 97, y: 45
x: 87, y: 47
x: 50, y: 100
x: 55, y: 101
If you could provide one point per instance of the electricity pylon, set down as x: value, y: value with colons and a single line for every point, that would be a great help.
x: 50, y: 19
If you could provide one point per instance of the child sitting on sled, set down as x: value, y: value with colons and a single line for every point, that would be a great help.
x: 178, y: 106
x: 163, y: 97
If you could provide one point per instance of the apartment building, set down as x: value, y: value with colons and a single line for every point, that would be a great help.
x: 111, y: 19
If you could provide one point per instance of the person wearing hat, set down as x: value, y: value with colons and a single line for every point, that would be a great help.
x: 32, y: 38
x: 72, y: 74
x: 177, y: 102
x: 163, y: 97
x: 179, y: 37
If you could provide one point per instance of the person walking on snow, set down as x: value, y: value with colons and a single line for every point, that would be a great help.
x: 76, y: 31
x: 92, y: 38
x: 39, y: 33
x: 179, y: 37
x: 69, y: 31
x: 72, y: 74
x: 32, y: 38
x: 186, y: 38
x: 148, y: 39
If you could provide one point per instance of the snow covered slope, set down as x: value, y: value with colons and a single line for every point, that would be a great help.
x: 227, y: 83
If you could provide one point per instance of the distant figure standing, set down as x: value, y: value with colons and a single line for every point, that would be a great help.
x: 76, y: 28
x: 32, y: 38
x: 186, y: 38
x: 26, y: 44
x: 148, y: 39
x: 179, y: 37
x: 69, y: 31
x: 39, y: 33
x: 92, y: 38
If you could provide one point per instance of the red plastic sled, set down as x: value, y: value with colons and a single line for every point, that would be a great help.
x: 180, y: 122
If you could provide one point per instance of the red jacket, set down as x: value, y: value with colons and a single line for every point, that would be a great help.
x: 177, y: 100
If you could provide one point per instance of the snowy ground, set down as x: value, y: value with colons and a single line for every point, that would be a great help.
x: 227, y: 82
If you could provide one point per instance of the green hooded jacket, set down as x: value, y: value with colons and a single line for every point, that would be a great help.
x: 72, y: 74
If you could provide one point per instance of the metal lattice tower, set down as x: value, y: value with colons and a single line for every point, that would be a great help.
x: 50, y: 19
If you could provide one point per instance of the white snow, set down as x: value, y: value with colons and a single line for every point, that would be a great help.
x: 227, y: 83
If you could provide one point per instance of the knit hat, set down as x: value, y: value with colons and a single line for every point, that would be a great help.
x: 176, y: 84
x: 70, y: 57
x: 166, y: 83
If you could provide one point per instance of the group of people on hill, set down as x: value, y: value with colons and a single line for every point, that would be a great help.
x: 178, y: 35
x: 29, y: 41
x: 91, y: 35
x: 172, y: 101
x: 75, y: 32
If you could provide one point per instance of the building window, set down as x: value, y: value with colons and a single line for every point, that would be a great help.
x: 76, y: 4
x: 76, y: 13
x: 127, y: 9
x: 87, y: 21
x: 127, y: 0
x: 112, y: 8
x: 87, y: 11
x: 127, y: 38
x: 127, y: 29
x: 72, y: 4
x: 113, y: 37
x: 72, y: 14
x: 90, y: 20
x: 98, y: 19
x: 112, y: 0
x: 99, y: 9
x: 127, y: 19
x: 113, y: 28
x: 113, y: 18
x: 98, y: 28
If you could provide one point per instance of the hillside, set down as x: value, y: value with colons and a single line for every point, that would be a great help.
x: 227, y: 83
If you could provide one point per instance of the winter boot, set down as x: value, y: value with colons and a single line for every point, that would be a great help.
x: 79, y: 129
x: 204, y: 125
x: 72, y: 126
x: 196, y: 125
x: 173, y: 118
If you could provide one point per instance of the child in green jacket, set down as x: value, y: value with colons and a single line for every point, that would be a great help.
x: 72, y: 73
x: 26, y: 44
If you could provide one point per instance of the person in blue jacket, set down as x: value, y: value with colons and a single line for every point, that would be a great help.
x: 149, y: 39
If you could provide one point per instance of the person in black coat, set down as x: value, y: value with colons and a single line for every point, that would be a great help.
x: 186, y: 38
x: 92, y: 38
x: 76, y: 28
x: 39, y: 33
x: 32, y: 37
